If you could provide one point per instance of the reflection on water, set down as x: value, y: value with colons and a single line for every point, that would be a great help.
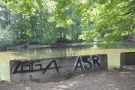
x: 6, y: 56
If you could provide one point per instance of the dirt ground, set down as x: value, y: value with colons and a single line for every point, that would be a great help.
x: 95, y: 80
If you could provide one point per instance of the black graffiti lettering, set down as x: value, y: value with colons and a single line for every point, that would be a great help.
x: 96, y: 62
x: 17, y: 66
x: 47, y: 67
x: 27, y: 66
x: 40, y: 65
x: 22, y: 65
x: 79, y: 65
x: 87, y: 63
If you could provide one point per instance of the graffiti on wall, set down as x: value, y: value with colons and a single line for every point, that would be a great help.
x: 33, y: 66
x: 87, y: 63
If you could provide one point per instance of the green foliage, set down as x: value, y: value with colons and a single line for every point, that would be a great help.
x: 36, y: 29
x: 6, y: 37
x: 112, y: 20
x: 25, y: 6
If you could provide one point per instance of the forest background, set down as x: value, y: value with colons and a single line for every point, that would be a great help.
x: 66, y: 21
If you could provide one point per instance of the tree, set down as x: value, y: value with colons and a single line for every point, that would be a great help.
x: 112, y: 20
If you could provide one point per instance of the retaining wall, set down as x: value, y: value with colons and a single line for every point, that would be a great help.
x: 127, y: 58
x: 52, y: 68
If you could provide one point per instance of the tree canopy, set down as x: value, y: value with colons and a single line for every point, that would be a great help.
x: 110, y: 20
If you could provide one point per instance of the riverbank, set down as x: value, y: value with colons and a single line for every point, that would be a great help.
x: 96, y: 80
x: 34, y: 46
x: 29, y: 46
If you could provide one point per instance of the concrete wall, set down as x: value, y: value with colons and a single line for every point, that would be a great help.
x: 50, y: 69
x: 127, y: 58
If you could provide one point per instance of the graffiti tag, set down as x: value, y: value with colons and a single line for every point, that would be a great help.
x: 32, y: 66
x: 87, y: 63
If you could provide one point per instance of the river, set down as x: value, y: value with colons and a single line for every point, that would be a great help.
x: 6, y: 56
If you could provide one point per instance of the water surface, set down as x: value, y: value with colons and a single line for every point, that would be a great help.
x: 6, y: 56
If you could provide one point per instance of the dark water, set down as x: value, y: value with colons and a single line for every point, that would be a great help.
x: 6, y: 56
